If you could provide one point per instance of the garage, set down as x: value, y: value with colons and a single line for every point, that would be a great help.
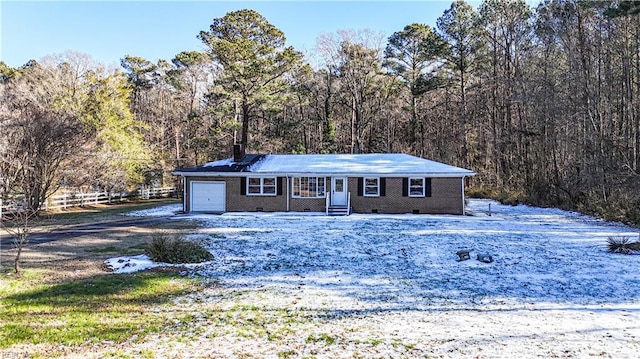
x: 207, y: 196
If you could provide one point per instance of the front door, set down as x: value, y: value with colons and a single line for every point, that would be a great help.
x: 338, y: 191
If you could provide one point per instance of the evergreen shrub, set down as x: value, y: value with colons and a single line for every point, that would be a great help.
x: 175, y: 250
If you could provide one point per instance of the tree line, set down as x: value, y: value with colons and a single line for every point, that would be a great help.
x: 543, y: 103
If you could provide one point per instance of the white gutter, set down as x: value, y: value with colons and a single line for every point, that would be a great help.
x: 184, y: 194
x: 464, y: 213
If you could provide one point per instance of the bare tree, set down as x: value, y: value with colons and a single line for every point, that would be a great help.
x: 18, y: 225
x: 38, y: 144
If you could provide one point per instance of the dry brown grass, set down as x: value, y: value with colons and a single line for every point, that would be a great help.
x: 83, y: 256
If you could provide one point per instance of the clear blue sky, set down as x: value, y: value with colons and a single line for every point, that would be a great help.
x: 109, y: 30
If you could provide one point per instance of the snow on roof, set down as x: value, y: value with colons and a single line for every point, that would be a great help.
x: 219, y: 163
x: 360, y: 164
x: 380, y: 164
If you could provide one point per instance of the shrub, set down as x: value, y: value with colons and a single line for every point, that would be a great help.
x: 175, y: 249
x: 623, y: 245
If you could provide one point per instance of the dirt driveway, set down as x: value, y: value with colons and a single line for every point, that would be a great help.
x: 74, y: 231
x: 77, y: 247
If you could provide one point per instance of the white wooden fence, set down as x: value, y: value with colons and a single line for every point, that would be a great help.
x: 68, y: 200
x: 149, y: 193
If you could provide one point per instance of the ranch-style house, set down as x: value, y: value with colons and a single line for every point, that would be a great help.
x: 336, y: 184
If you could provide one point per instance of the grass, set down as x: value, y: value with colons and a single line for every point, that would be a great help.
x: 54, y: 306
x: 323, y: 337
x: 110, y: 307
x: 117, y: 250
x: 107, y: 249
x: 99, y: 213
x: 57, y: 308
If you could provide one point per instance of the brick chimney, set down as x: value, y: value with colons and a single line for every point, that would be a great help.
x: 238, y: 152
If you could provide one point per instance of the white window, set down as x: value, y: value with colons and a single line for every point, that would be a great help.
x: 416, y: 187
x: 309, y: 187
x: 261, y: 186
x: 371, y: 187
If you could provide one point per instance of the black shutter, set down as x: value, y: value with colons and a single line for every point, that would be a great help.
x: 383, y: 187
x: 243, y: 185
x: 427, y: 187
x: 280, y: 181
x: 360, y: 186
x: 405, y: 187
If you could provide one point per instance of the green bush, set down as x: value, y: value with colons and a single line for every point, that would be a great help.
x: 623, y: 245
x: 175, y: 249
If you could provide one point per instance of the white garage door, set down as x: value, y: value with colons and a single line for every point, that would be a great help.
x: 208, y: 196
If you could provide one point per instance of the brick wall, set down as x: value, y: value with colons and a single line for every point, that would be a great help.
x: 236, y: 202
x: 446, y: 198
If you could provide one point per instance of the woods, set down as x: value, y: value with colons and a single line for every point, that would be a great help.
x: 543, y: 103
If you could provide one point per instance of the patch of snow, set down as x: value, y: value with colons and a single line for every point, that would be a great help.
x: 161, y: 211
x: 224, y: 162
x: 129, y: 264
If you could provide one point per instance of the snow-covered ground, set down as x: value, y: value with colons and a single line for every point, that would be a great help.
x: 552, y: 289
x: 161, y: 211
x: 540, y: 255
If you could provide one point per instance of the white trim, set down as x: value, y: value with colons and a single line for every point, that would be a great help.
x: 424, y: 189
x: 345, y: 191
x: 262, y: 193
x: 293, y: 192
x: 184, y: 194
x: 321, y: 174
x: 364, y: 186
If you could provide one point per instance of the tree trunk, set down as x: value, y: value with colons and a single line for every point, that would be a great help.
x: 16, y: 263
x: 329, y: 130
x: 463, y: 118
x: 414, y: 123
x: 245, y: 123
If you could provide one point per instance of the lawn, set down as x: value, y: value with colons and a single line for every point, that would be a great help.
x: 66, y: 300
x: 305, y: 285
x: 92, y: 311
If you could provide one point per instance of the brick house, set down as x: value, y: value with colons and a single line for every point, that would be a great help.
x: 337, y: 184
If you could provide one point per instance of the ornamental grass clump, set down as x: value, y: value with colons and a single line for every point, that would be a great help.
x: 175, y: 250
x: 623, y: 245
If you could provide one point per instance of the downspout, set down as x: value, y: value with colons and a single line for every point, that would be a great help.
x: 184, y: 194
x: 287, y: 193
x: 463, y: 204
